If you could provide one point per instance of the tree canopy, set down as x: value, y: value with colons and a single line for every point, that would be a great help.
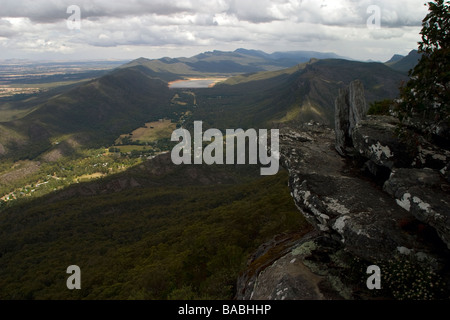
x: 427, y: 94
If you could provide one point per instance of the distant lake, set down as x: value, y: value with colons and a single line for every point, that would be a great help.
x: 195, y: 83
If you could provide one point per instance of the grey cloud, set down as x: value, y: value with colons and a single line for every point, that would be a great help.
x: 159, y: 23
x: 328, y: 12
x: 38, y: 11
x: 50, y: 11
x: 5, y: 29
x: 255, y: 12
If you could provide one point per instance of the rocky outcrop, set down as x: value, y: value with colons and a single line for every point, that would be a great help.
x: 376, y: 139
x: 400, y: 210
x: 414, y: 173
x: 350, y: 108
x: 354, y: 220
x: 337, y: 201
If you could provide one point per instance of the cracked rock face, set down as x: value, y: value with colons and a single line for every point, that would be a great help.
x: 338, y: 201
x: 352, y: 217
x: 402, y: 208
x: 418, y: 180
x: 425, y: 194
x: 375, y: 139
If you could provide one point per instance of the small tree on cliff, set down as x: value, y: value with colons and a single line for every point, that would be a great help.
x: 427, y: 94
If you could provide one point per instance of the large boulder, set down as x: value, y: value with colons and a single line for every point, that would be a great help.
x: 376, y: 139
x: 425, y: 194
x: 335, y: 199
x: 354, y: 218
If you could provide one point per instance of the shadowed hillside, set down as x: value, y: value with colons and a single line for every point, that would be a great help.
x: 305, y: 92
x: 156, y: 232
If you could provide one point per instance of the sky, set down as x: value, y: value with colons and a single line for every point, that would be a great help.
x: 126, y: 30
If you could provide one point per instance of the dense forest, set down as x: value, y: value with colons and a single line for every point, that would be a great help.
x: 162, y: 242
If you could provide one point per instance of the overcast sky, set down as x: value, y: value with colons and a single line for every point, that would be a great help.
x: 38, y: 29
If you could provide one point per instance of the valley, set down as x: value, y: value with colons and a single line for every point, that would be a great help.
x: 86, y: 176
x: 263, y: 99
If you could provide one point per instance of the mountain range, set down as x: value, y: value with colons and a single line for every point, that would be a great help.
x: 261, y: 90
x: 224, y: 62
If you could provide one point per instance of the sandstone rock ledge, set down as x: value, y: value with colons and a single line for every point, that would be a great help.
x: 353, y: 219
x: 377, y: 204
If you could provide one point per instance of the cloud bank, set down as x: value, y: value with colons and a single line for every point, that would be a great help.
x: 153, y: 28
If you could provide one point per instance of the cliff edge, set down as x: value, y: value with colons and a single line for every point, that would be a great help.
x: 373, y: 199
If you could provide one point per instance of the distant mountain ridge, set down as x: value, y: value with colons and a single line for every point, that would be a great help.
x: 395, y: 58
x: 404, y: 63
x: 300, y: 55
x: 227, y: 62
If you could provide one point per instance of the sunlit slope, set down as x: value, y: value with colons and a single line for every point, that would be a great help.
x: 97, y: 112
x: 304, y: 92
